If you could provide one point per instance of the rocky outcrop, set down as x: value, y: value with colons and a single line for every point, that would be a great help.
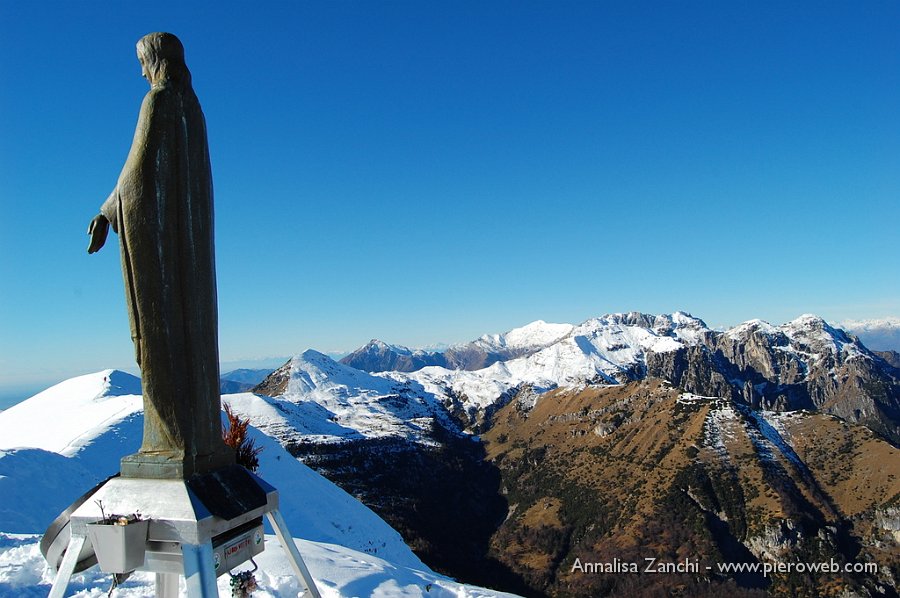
x: 695, y: 369
x: 808, y: 364
x: 805, y: 364
x: 275, y: 384
x: 892, y: 358
x: 887, y: 520
x: 777, y: 541
x: 378, y: 356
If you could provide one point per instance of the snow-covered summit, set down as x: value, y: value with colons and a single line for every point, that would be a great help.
x: 751, y: 327
x: 641, y: 332
x: 313, y: 374
x: 814, y: 334
x: 609, y: 349
x: 534, y: 335
x: 72, y: 414
x: 806, y: 336
x: 378, y: 346
x: 342, y: 402
x: 379, y: 356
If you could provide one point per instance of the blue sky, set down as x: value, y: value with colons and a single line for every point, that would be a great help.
x: 427, y: 172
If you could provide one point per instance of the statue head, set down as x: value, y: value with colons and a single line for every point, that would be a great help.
x: 162, y: 59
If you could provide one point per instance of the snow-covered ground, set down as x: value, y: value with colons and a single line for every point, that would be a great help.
x: 58, y: 444
x: 338, y: 571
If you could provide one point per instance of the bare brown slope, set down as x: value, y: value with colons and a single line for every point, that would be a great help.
x: 625, y: 473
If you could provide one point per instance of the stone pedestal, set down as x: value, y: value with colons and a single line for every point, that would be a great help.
x: 174, y: 466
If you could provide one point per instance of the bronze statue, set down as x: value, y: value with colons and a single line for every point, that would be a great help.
x: 162, y: 210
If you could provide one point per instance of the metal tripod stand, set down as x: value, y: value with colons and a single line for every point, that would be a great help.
x: 199, y: 529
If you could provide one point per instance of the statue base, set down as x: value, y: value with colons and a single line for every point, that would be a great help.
x: 197, y: 528
x: 173, y: 465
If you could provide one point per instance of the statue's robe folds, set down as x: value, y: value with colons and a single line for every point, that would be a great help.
x: 162, y: 210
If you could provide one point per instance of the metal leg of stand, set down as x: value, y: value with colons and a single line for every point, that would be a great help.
x: 167, y: 585
x: 284, y: 536
x: 199, y: 570
x: 67, y: 567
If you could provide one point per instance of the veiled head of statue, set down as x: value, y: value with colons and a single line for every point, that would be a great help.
x: 162, y: 57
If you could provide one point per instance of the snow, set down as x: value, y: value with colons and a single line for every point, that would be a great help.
x: 338, y: 402
x: 719, y: 426
x: 65, y: 417
x: 36, y: 485
x: 763, y: 429
x: 604, y: 349
x: 742, y: 331
x: 338, y: 571
x: 533, y: 335
x: 376, y: 346
x: 773, y: 439
x: 809, y: 338
x: 882, y: 334
x: 343, y: 403
x: 813, y: 338
x: 47, y: 462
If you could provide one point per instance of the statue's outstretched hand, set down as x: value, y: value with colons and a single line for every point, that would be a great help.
x: 98, y: 230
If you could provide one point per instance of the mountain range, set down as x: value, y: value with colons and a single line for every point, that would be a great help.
x: 505, y: 461
x: 803, y: 364
x: 378, y: 356
x: 708, y: 405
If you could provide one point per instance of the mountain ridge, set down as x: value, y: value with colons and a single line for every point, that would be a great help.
x: 378, y: 356
x: 802, y: 364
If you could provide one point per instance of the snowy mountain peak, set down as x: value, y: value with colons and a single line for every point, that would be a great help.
x: 378, y: 356
x: 117, y: 383
x: 815, y: 334
x: 808, y: 322
x: 313, y: 371
x: 64, y: 410
x: 377, y: 346
x: 872, y: 324
x: 808, y: 333
x: 338, y: 402
x: 659, y: 333
x: 751, y: 327
x: 536, y: 334
x: 684, y: 318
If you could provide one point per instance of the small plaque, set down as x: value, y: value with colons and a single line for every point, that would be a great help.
x: 232, y: 551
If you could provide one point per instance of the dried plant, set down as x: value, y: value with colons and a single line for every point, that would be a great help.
x: 235, y: 436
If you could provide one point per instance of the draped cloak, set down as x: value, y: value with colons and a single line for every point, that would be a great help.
x: 162, y: 210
